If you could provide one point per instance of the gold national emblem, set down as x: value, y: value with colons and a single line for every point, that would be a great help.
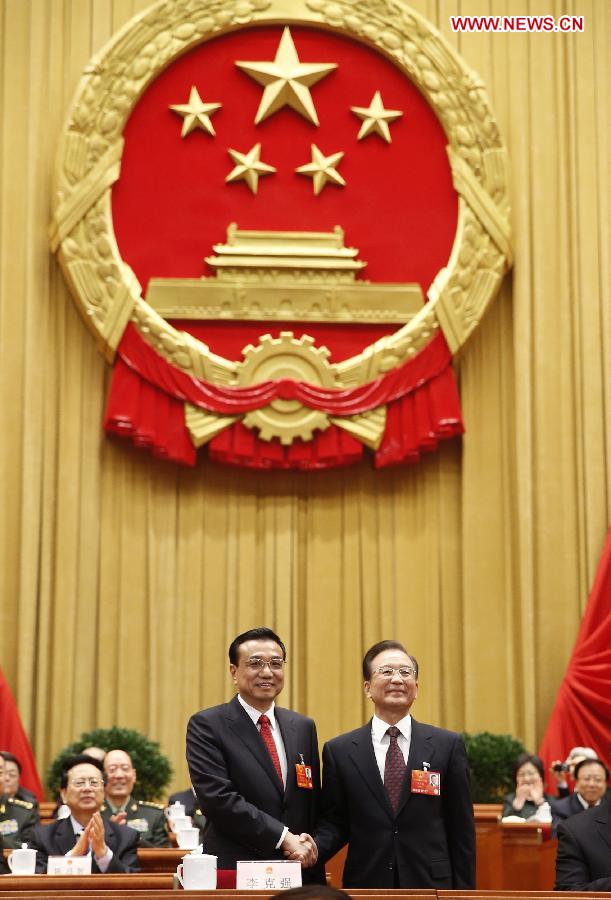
x: 280, y: 285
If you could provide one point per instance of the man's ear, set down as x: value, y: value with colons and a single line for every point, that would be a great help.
x: 366, y: 689
x: 62, y: 794
x: 232, y: 670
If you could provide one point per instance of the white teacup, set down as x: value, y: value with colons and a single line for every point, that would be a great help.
x: 180, y: 822
x: 187, y: 838
x: 197, y: 872
x: 22, y: 862
x: 176, y: 809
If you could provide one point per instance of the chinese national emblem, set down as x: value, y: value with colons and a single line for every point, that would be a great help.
x: 280, y: 233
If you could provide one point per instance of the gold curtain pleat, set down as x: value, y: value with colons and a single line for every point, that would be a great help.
x: 123, y: 579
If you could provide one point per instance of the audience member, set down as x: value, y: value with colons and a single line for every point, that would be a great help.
x: 583, y: 861
x: 17, y: 817
x: 94, y: 751
x: 84, y: 832
x: 12, y: 775
x: 591, y: 779
x: 560, y: 770
x: 145, y: 817
x: 529, y: 800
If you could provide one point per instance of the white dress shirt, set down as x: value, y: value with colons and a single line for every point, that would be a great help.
x: 255, y: 714
x: 381, y: 740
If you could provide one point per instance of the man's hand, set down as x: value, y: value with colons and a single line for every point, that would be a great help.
x: 96, y: 836
x: 302, y: 849
x: 81, y: 848
x: 308, y: 841
x: 119, y: 818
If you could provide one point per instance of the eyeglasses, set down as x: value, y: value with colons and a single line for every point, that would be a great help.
x: 405, y: 672
x: 79, y: 783
x: 255, y: 663
x: 124, y: 767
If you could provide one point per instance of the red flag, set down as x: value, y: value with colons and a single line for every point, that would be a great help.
x: 14, y: 739
x: 581, y: 716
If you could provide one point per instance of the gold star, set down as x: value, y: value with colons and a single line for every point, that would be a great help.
x: 322, y: 169
x: 286, y: 81
x: 375, y: 118
x: 196, y: 113
x: 249, y: 167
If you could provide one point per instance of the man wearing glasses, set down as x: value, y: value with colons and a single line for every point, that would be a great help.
x: 84, y: 832
x: 254, y: 766
x: 397, y: 791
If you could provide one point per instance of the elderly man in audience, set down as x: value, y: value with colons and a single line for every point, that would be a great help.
x: 560, y: 770
x: 84, y: 832
x: 583, y: 861
x: 146, y: 818
x: 591, y: 780
x: 12, y: 786
x: 17, y: 817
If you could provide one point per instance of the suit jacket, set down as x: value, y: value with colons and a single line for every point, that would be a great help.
x: 583, y: 861
x: 565, y: 809
x: 58, y: 838
x: 428, y: 843
x: 245, y: 804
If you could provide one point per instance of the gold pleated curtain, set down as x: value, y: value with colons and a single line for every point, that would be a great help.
x: 123, y: 579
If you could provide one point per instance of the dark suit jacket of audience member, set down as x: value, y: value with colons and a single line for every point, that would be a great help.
x: 59, y: 838
x: 565, y: 809
x: 583, y: 861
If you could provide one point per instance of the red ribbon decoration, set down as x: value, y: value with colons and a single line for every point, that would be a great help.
x: 147, y: 395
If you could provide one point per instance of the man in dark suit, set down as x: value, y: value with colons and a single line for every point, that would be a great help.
x: 84, y: 832
x: 254, y: 766
x: 583, y: 861
x: 397, y: 791
x: 591, y: 780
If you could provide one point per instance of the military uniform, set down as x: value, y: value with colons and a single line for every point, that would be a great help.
x: 17, y: 818
x: 146, y: 818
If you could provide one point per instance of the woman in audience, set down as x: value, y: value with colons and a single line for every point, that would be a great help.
x: 529, y: 799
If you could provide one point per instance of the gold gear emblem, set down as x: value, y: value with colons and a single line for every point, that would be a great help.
x: 286, y: 357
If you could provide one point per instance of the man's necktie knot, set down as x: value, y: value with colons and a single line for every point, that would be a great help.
x: 268, y: 740
x: 394, y: 768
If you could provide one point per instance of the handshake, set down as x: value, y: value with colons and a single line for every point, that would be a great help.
x: 300, y: 848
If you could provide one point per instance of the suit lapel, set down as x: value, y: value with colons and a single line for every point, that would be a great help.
x: 603, y: 821
x: 286, y: 723
x: 420, y: 750
x: 364, y: 759
x: 242, y: 725
x: 64, y: 836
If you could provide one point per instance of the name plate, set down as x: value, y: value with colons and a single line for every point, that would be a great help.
x: 268, y: 875
x: 69, y: 865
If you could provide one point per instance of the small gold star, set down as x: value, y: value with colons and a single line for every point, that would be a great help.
x: 322, y: 169
x: 196, y: 113
x: 286, y: 81
x: 375, y: 118
x: 249, y: 167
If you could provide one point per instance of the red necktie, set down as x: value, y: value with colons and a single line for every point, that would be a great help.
x: 394, y: 769
x: 268, y: 740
